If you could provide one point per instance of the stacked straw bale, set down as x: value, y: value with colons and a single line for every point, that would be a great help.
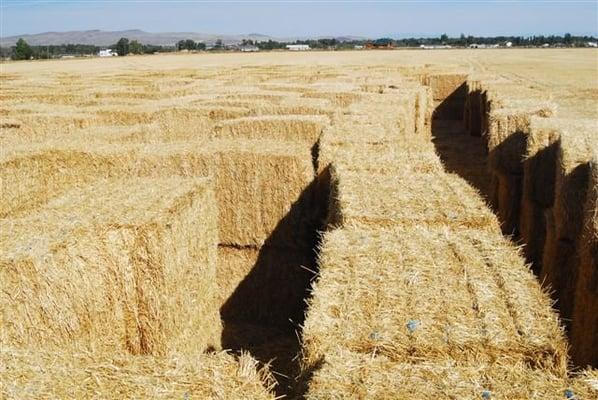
x: 481, y: 97
x: 265, y: 285
x: 57, y: 375
x: 297, y: 128
x: 538, y: 184
x: 431, y: 290
x: 348, y: 375
x: 337, y: 98
x: 265, y: 194
x: 376, y: 158
x: 414, y: 293
x: 448, y: 93
x: 414, y: 198
x: 120, y: 265
x: 506, y: 146
x: 473, y: 107
x: 506, y: 136
x: 575, y: 150
x: 584, y: 323
x: 223, y: 113
x: 443, y: 84
x: 257, y: 183
x: 404, y: 111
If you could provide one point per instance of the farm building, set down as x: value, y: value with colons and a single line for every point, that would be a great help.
x: 297, y: 47
x: 107, y: 53
x: 249, y: 48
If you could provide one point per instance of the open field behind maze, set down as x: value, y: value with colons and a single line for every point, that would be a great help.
x: 398, y: 224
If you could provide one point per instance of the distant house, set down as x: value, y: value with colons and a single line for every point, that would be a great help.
x: 592, y: 44
x: 435, y: 47
x: 384, y: 43
x: 107, y: 53
x: 249, y: 48
x: 297, y: 47
x: 509, y: 44
x: 358, y: 47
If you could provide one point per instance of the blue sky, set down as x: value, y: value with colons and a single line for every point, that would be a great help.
x: 305, y: 18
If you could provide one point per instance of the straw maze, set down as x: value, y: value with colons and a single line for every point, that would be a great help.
x: 330, y: 222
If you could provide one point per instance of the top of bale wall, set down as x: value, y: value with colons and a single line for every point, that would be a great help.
x: 42, y: 375
x: 347, y: 375
x: 413, y: 293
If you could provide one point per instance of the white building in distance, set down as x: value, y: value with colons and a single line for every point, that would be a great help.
x: 107, y: 53
x: 249, y: 48
x: 297, y: 47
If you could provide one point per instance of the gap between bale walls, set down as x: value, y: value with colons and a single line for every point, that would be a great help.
x: 263, y: 281
x: 520, y: 142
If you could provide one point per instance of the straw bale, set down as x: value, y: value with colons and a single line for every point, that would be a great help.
x: 308, y: 103
x: 414, y: 293
x: 585, y: 384
x: 341, y: 99
x: 378, y: 158
x: 55, y: 375
x: 474, y: 107
x: 116, y: 265
x: 506, y: 134
x: 234, y: 264
x: 533, y: 232
x: 507, y: 200
x: 290, y: 105
x: 539, y: 168
x: 300, y: 108
x: 270, y: 97
x: 435, y: 199
x: 286, y: 88
x: 410, y: 106
x: 559, y: 269
x: 264, y: 286
x: 223, y: 113
x: 298, y: 128
x: 584, y: 325
x: 444, y: 85
x: 396, y: 111
x: 575, y: 150
x: 540, y: 159
x: 257, y: 183
x: 424, y: 107
x: 357, y: 128
x: 348, y: 375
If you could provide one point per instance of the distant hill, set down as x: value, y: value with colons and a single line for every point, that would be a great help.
x: 107, y: 38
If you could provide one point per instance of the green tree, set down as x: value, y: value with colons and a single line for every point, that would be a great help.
x: 444, y: 38
x: 23, y: 51
x: 135, y: 47
x: 219, y: 44
x: 190, y: 45
x: 123, y: 47
x: 567, y: 39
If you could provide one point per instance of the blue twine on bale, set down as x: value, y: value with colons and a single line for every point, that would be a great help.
x: 486, y: 394
x: 412, y: 325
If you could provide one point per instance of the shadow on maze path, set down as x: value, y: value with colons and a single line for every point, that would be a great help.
x: 264, y: 314
x: 462, y: 154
